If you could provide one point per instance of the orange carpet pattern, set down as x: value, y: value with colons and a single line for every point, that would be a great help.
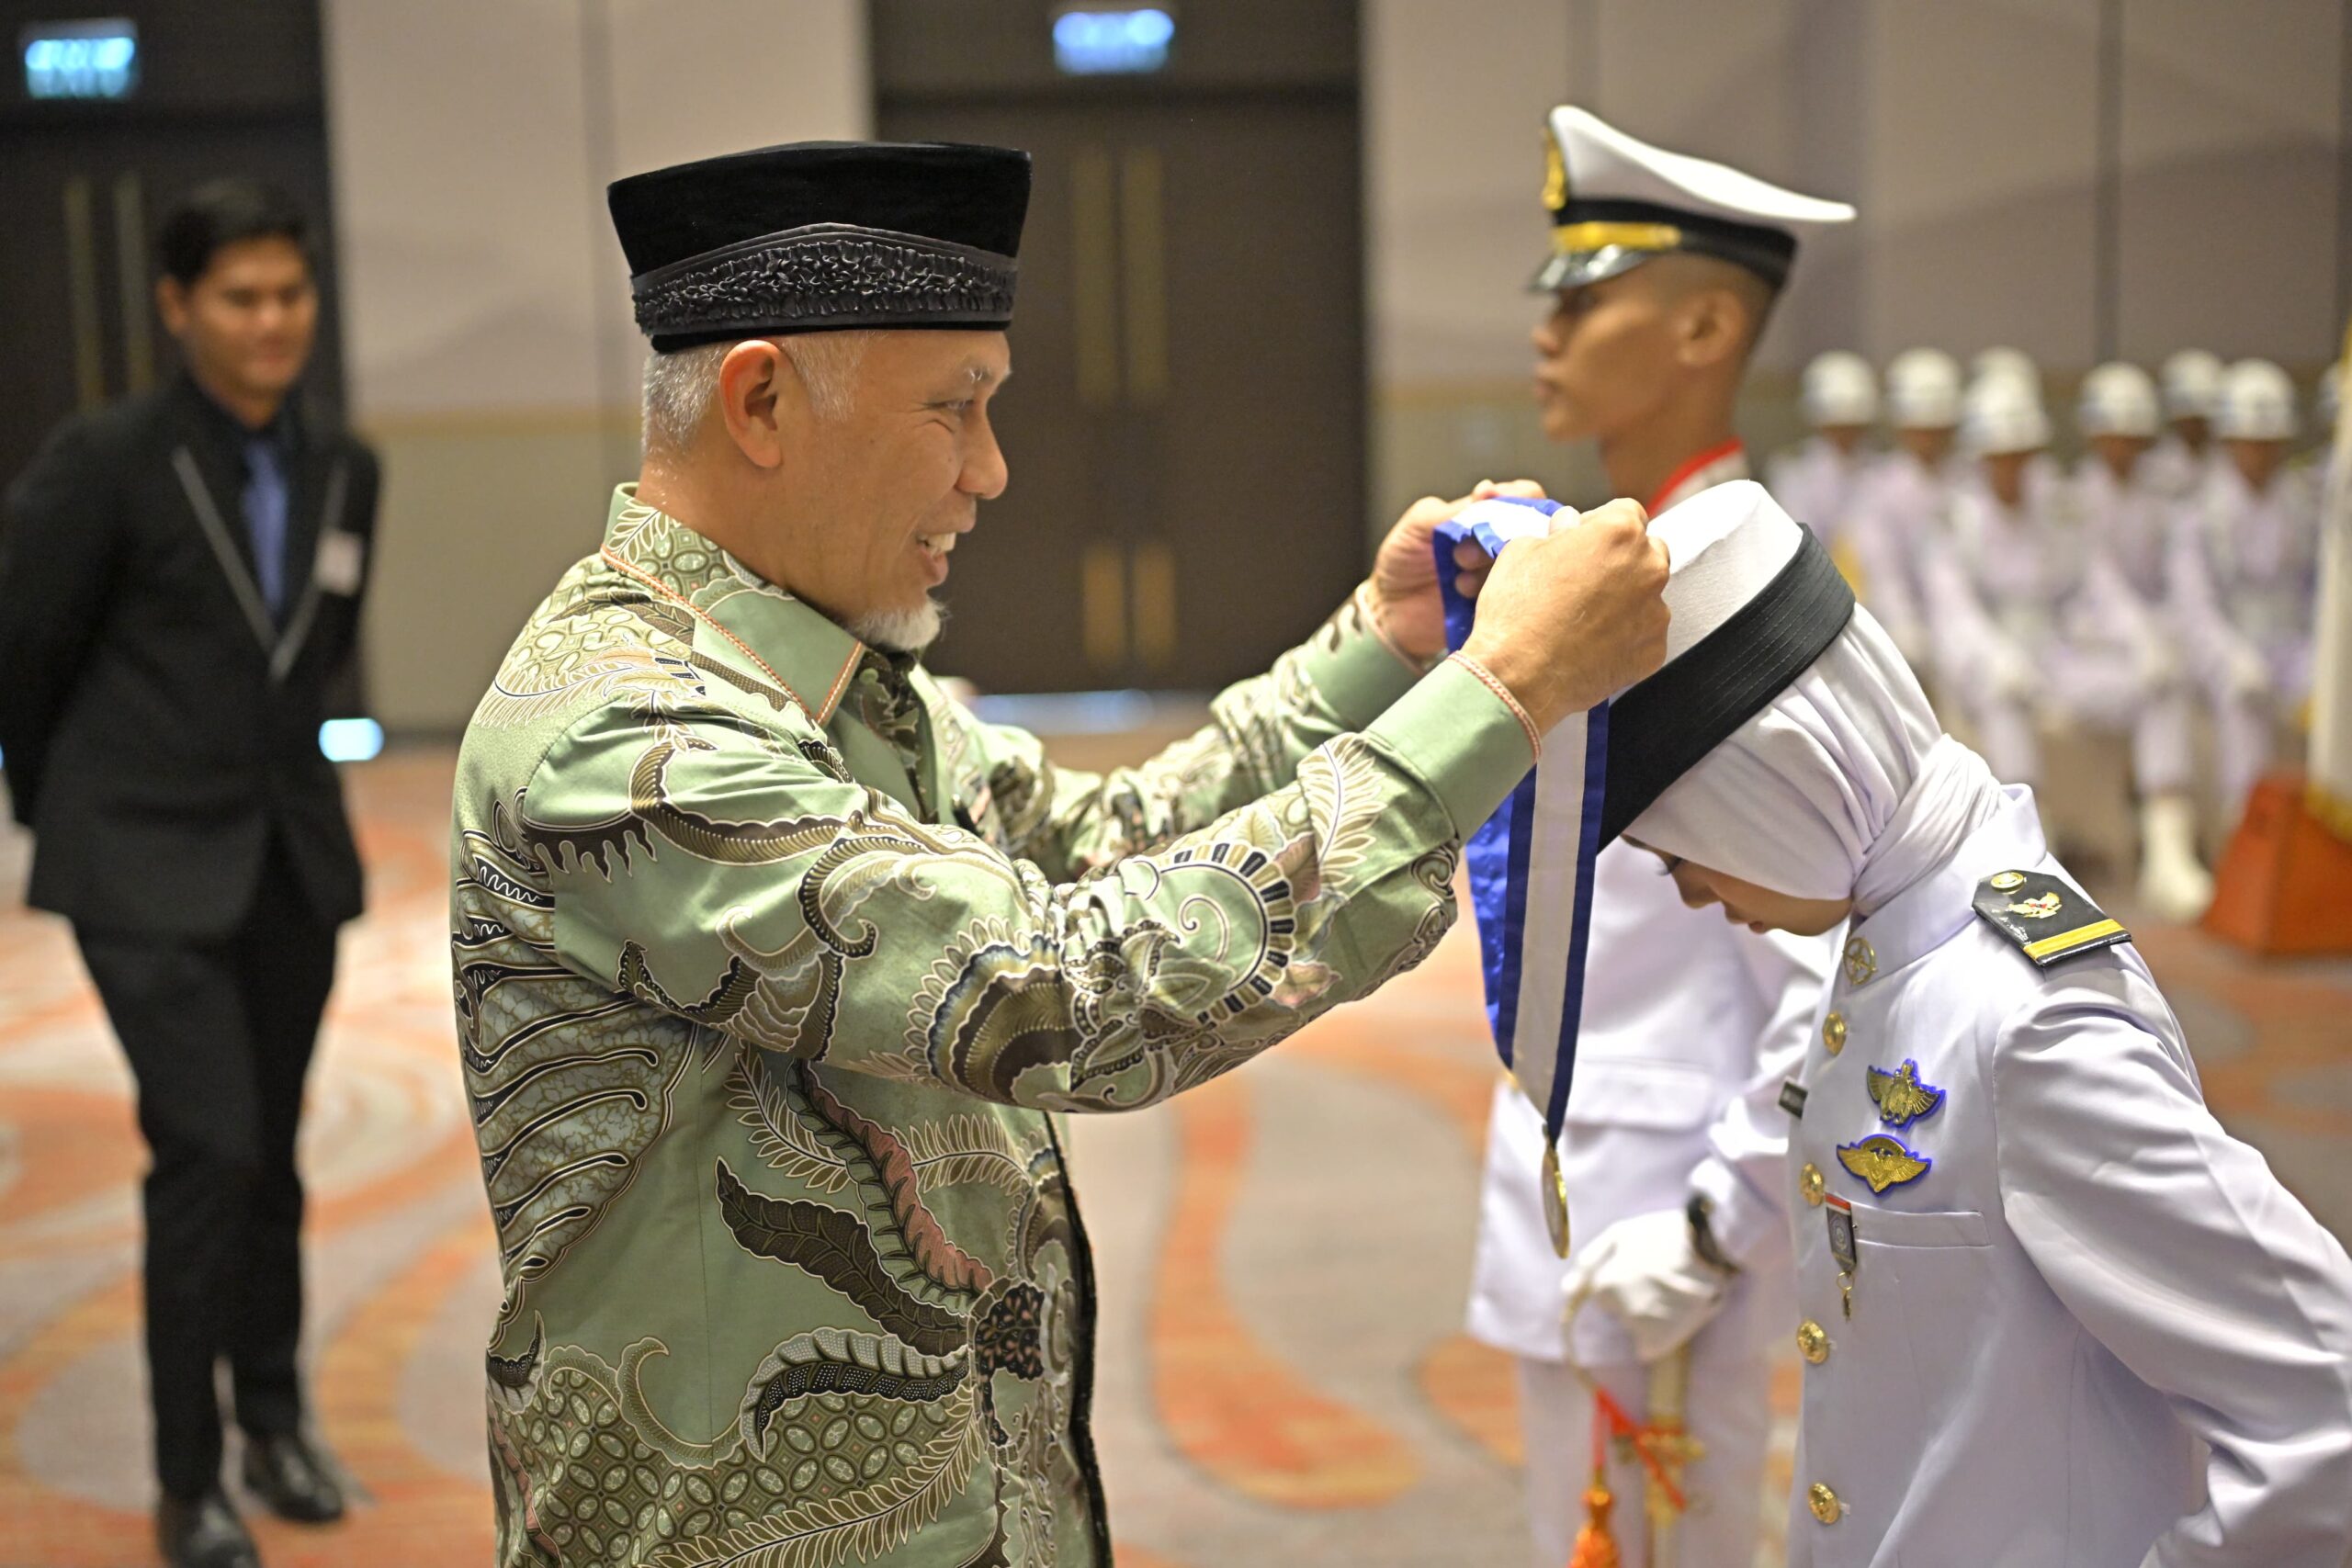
x: 1283, y: 1253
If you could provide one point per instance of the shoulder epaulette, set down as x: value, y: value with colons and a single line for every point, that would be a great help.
x: 2046, y: 919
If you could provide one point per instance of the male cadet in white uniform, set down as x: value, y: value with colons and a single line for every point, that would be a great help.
x: 2248, y: 567
x: 1899, y: 503
x: 2192, y: 382
x: 1663, y: 269
x: 1817, y: 480
x: 2052, y: 1314
x: 2032, y: 629
x: 2130, y: 525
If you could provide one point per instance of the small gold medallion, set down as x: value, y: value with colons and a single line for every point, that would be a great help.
x: 1555, y: 1199
x: 1813, y: 1342
x: 1860, y: 962
x: 1825, y: 1504
x: 1812, y: 1184
x: 1833, y: 1032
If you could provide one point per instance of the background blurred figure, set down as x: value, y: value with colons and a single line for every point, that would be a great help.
x: 1816, y: 483
x: 2017, y: 367
x: 1898, y: 503
x: 2034, y: 628
x: 2193, y: 383
x: 180, y: 578
x: 2131, y: 527
x: 2248, y: 567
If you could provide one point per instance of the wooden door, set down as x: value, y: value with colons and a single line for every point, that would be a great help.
x: 1185, y: 423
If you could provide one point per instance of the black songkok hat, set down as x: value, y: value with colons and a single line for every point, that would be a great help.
x: 822, y: 236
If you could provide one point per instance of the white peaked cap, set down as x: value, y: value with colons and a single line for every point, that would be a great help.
x: 1616, y: 201
x: 1840, y: 388
x: 2004, y: 415
x: 2258, y: 404
x: 2000, y: 361
x: 1923, y: 390
x: 2192, y: 384
x: 2119, y: 399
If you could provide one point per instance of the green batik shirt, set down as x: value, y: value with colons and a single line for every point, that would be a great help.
x: 770, y: 964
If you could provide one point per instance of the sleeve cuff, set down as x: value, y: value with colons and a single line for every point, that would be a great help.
x: 1359, y: 672
x: 1743, y: 1220
x: 1462, y: 736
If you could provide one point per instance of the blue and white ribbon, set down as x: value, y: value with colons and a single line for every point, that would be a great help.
x: 1531, y: 863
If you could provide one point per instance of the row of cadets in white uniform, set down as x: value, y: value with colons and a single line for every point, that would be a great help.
x: 1691, y: 1026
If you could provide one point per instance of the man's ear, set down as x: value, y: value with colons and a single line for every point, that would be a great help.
x: 761, y: 400
x: 171, y: 303
x: 1715, y: 326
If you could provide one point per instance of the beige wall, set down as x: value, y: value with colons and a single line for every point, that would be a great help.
x: 1965, y: 131
x: 491, y: 358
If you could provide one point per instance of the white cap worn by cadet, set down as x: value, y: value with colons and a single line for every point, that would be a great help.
x: 2192, y: 384
x: 2258, y: 404
x: 2004, y: 416
x: 1616, y: 201
x: 2119, y: 399
x: 1840, y: 388
x: 1997, y: 361
x: 1923, y: 390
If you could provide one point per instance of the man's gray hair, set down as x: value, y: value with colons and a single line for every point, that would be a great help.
x: 681, y: 384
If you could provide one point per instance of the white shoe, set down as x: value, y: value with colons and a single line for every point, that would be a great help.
x: 2174, y: 884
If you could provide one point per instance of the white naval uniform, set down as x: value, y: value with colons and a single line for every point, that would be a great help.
x: 2248, y: 567
x: 2173, y: 469
x: 2026, y: 611
x: 1818, y: 485
x: 2097, y: 1332
x: 1689, y: 1027
x: 1895, y: 518
x: 2132, y: 527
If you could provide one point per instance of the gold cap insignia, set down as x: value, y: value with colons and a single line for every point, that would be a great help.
x: 1901, y: 1097
x: 1882, y: 1162
x: 1555, y: 175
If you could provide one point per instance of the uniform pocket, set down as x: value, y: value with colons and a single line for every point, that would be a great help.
x: 1907, y: 1228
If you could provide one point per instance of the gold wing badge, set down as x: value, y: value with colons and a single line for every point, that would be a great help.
x: 1882, y: 1162
x: 1901, y: 1097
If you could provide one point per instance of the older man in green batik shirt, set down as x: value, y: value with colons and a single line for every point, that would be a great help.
x: 771, y: 961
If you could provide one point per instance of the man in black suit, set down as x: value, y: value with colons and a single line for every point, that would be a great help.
x: 180, y: 579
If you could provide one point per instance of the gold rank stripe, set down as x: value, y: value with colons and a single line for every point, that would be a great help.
x: 2074, y: 938
x: 1570, y: 237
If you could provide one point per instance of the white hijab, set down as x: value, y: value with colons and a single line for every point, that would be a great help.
x: 1844, y: 784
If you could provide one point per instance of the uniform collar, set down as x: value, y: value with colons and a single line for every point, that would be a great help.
x: 792, y: 642
x: 1715, y: 466
x: 1940, y: 905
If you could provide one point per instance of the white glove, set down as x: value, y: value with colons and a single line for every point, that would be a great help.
x: 1643, y: 1272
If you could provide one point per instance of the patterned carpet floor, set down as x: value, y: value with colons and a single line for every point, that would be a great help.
x: 1283, y: 1253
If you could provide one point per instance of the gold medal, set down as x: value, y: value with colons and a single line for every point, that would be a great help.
x: 1555, y: 1199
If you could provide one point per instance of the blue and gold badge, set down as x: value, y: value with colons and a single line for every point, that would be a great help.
x: 1883, y: 1161
x: 1901, y: 1097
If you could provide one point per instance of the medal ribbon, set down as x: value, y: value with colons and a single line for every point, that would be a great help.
x: 1531, y: 862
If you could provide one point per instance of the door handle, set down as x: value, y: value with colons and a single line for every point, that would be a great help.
x: 1095, y: 287
x: 1143, y: 220
x: 1103, y: 606
x: 131, y: 263
x: 82, y: 296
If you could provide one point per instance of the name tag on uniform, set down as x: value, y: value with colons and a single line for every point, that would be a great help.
x: 343, y: 560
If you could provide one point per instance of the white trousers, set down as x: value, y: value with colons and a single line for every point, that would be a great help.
x: 1730, y: 1412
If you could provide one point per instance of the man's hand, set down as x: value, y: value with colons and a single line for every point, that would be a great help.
x: 1567, y: 620
x: 1644, y: 1272
x: 1404, y: 577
